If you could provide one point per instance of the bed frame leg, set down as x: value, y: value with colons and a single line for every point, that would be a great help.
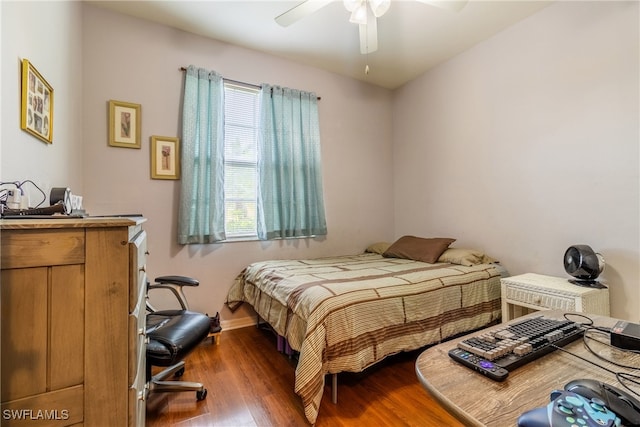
x: 334, y: 388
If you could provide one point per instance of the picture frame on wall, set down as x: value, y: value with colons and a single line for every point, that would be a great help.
x: 165, y: 157
x: 37, y: 104
x: 124, y: 124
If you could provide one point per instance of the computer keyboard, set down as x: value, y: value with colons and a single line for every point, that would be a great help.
x: 496, y: 353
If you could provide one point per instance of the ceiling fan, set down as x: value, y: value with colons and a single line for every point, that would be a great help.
x: 363, y: 12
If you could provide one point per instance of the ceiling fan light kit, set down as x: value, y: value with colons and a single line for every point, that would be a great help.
x: 359, y: 14
x: 358, y: 9
x: 364, y: 13
x: 379, y: 7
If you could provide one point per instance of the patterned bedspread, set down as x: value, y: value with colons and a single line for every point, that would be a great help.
x: 347, y: 313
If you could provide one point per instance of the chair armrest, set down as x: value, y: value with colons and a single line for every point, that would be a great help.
x: 178, y: 280
x: 175, y: 285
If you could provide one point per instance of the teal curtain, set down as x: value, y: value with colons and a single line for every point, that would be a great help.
x: 201, y: 210
x: 290, y: 196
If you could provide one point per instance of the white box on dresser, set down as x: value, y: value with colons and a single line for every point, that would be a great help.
x: 530, y: 292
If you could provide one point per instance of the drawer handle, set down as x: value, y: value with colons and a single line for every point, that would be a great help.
x: 146, y: 252
x: 143, y: 268
x: 141, y: 332
x: 142, y: 394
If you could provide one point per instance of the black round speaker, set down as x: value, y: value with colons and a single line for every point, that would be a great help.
x: 61, y: 195
x: 583, y: 263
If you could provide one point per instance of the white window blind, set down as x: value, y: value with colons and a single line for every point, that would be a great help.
x: 241, y: 109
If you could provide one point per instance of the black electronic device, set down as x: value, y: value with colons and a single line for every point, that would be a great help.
x: 499, y: 351
x: 61, y: 195
x: 570, y: 409
x: 58, y: 208
x: 626, y: 335
x: 620, y: 402
x: 585, y: 265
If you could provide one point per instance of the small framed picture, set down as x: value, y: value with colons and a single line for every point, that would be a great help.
x: 165, y: 157
x: 124, y: 124
x: 37, y: 103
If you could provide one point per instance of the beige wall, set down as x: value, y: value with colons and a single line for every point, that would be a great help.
x: 521, y: 146
x: 49, y: 35
x: 528, y: 143
x: 132, y: 60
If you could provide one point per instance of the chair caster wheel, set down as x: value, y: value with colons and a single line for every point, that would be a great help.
x: 202, y: 394
x: 179, y: 373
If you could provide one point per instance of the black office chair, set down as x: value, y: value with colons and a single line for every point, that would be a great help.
x: 173, y: 334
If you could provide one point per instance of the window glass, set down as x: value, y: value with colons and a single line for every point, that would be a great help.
x: 240, y: 177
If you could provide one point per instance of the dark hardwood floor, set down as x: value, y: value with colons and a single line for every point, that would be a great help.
x: 251, y: 384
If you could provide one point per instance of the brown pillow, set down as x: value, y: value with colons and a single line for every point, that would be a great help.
x: 418, y: 248
x: 466, y: 257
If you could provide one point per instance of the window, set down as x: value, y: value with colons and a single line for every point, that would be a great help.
x: 241, y: 119
x: 250, y: 163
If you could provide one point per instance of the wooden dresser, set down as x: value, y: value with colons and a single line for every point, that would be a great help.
x: 73, y: 321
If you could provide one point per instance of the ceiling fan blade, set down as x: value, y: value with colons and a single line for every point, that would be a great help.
x: 452, y: 5
x: 300, y: 11
x: 369, y: 34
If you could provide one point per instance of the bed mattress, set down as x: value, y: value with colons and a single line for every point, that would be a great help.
x: 345, y: 313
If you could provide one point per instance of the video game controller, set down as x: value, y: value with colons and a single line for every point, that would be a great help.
x: 572, y: 410
x: 619, y: 402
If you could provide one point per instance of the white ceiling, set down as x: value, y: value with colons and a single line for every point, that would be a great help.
x: 412, y: 36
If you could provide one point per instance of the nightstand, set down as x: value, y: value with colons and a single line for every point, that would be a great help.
x: 530, y: 292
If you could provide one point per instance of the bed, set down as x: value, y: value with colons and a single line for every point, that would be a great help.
x: 345, y: 313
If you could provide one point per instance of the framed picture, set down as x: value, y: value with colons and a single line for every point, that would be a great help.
x: 165, y: 157
x: 124, y: 124
x: 37, y: 103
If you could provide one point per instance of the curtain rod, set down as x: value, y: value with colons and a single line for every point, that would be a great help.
x: 237, y: 81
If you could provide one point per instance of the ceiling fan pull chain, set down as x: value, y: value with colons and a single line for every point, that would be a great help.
x: 366, y: 67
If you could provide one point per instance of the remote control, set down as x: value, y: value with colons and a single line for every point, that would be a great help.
x: 479, y: 364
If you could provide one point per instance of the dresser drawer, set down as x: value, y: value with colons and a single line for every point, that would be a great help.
x: 137, y: 338
x: 138, y: 388
x: 35, y: 248
x: 137, y: 405
x: 138, y: 282
x: 137, y: 363
x: 539, y: 298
